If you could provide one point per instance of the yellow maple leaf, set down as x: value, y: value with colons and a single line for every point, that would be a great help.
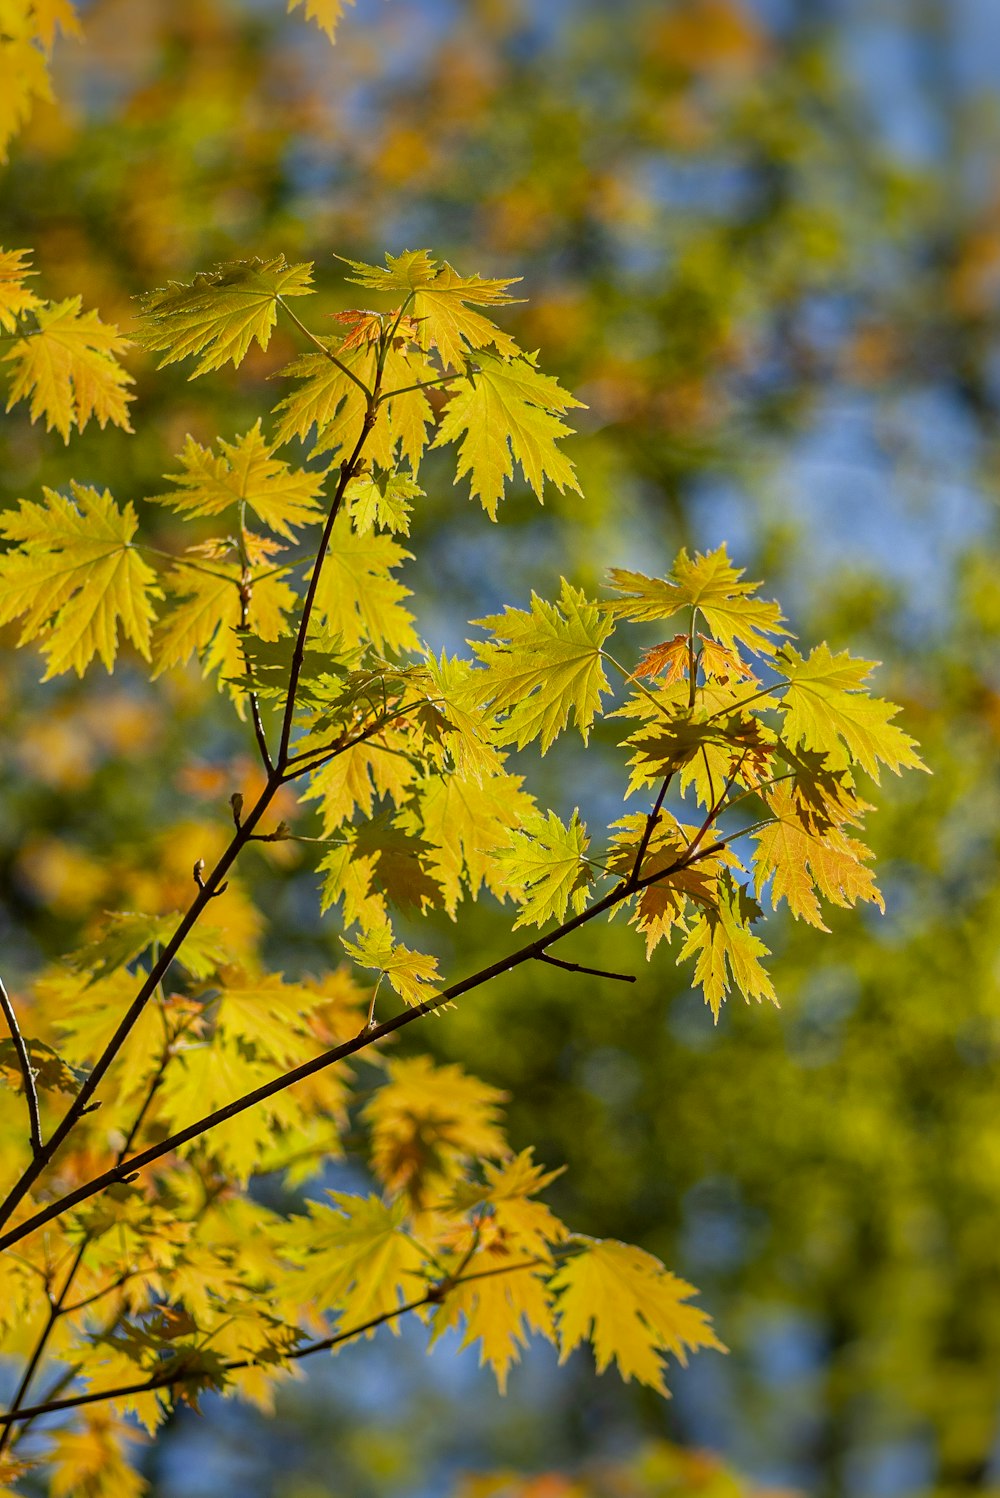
x: 541, y: 664
x: 546, y: 868
x: 245, y: 472
x: 69, y: 370
x: 357, y: 596
x: 76, y: 577
x: 426, y: 1121
x: 728, y: 952
x: 413, y: 975
x: 507, y: 410
x: 711, y: 586
x: 630, y: 1307
x: 356, y: 1257
x: 326, y: 13
x: 804, y: 860
x: 15, y: 297
x: 24, y: 69
x: 207, y: 613
x: 441, y: 303
x: 827, y: 704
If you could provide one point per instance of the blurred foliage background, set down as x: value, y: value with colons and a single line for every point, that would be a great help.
x: 761, y: 239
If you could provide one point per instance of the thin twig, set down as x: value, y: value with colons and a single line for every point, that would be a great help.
x: 327, y: 353
x: 593, y: 972
x: 434, y: 1296
x: 27, y: 1071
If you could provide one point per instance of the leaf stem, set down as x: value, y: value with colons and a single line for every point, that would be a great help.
x: 327, y: 353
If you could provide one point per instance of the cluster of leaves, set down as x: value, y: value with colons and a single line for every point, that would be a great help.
x: 158, y: 1276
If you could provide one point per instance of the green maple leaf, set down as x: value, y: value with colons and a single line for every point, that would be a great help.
x: 542, y: 664
x: 220, y: 313
x: 546, y: 868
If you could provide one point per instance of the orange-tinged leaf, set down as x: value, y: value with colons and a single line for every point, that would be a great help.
x: 670, y: 660
x: 805, y: 861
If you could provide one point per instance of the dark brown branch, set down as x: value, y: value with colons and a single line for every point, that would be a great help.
x: 650, y: 827
x: 27, y: 1073
x: 347, y: 472
x: 157, y: 972
x: 593, y: 972
x: 366, y: 1037
x: 434, y: 1296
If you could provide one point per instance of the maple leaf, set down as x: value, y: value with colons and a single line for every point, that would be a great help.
x: 49, y: 15
x: 220, y: 313
x: 467, y: 822
x: 68, y: 369
x: 75, y: 576
x: 356, y: 1257
x: 123, y: 936
x: 501, y: 1310
x: 709, y: 584
x: 245, y: 472
x: 728, y: 952
x: 506, y: 411
x: 357, y: 596
x: 207, y: 1076
x: 541, y: 664
x: 804, y: 861
x: 547, y: 869
x: 669, y: 659
x: 24, y: 72
x: 440, y: 302
x: 326, y: 13
x: 265, y: 1013
x: 208, y: 614
x: 827, y: 701
x: 663, y: 905
x: 632, y: 1309
x: 381, y: 499
x: 413, y: 975
x: 91, y: 1461
x: 15, y: 297
x: 426, y: 1121
x: 390, y: 865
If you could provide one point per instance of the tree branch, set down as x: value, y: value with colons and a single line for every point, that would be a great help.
x: 27, y: 1074
x: 434, y: 1296
x: 366, y: 1037
x: 593, y: 972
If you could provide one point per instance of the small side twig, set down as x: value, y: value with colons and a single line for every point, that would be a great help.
x: 27, y: 1071
x: 198, y: 875
x: 578, y: 967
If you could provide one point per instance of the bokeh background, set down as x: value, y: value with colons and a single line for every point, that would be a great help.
x: 761, y: 239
